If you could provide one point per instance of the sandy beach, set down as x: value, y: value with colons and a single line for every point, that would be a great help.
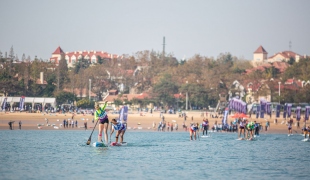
x: 30, y: 121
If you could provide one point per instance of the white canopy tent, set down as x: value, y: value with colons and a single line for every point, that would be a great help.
x: 32, y: 100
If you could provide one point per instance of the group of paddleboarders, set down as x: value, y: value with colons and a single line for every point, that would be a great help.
x: 118, y: 125
x: 249, y: 130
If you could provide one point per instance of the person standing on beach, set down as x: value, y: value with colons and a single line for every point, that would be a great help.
x: 20, y: 125
x: 10, y: 125
x: 76, y: 124
x: 102, y: 116
x: 64, y: 122
x: 85, y: 125
x: 289, y: 127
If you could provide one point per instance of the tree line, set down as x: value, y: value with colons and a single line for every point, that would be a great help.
x: 202, y: 78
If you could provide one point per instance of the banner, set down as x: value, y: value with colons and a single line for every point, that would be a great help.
x: 268, y: 108
x: 278, y: 110
x: 284, y: 111
x: 298, y: 113
x: 307, y: 111
x: 4, y: 104
x: 123, y: 113
x: 257, y: 111
x: 21, y: 103
x: 289, y: 110
x: 262, y: 110
x: 225, y: 117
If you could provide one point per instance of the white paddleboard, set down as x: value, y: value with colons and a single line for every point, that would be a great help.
x: 240, y: 139
x: 305, y: 140
x: 99, y: 144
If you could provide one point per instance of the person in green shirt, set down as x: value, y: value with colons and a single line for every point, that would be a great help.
x: 102, y: 116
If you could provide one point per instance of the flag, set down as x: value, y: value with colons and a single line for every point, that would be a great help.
x: 268, y: 108
x: 307, y: 112
x: 284, y: 111
x: 262, y: 110
x: 257, y: 111
x: 4, y: 104
x: 123, y: 113
x: 298, y: 113
x: 289, y: 110
x: 21, y: 103
x: 225, y: 117
x: 278, y: 110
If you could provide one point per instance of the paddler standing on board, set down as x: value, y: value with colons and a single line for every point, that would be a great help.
x: 192, y: 130
x: 102, y: 116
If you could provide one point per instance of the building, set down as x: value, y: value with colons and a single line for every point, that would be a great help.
x: 73, y: 57
x: 284, y: 56
x: 260, y: 56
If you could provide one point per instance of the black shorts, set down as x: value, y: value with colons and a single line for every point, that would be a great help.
x: 102, y: 121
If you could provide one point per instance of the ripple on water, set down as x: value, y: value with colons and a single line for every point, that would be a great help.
x: 151, y: 155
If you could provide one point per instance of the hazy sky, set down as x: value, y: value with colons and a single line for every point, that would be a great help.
x: 208, y: 28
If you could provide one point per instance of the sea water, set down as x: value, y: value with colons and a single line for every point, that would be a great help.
x: 27, y: 154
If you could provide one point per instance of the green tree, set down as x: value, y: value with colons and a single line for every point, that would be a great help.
x: 63, y: 76
x: 63, y: 97
x: 165, y: 89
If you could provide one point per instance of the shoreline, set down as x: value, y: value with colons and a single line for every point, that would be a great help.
x: 136, y: 122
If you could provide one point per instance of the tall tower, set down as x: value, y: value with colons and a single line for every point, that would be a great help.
x: 164, y: 44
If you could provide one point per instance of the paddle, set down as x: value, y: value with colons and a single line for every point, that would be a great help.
x: 198, y: 136
x: 89, y: 139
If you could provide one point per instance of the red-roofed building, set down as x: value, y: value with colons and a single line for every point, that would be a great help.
x: 284, y: 55
x: 260, y: 54
x: 255, y: 90
x: 73, y: 57
x: 280, y: 66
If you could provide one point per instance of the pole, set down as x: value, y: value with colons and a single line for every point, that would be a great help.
x: 89, y: 88
x: 186, y: 97
x: 279, y: 92
x: 186, y: 100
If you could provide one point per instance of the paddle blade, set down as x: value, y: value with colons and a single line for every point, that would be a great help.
x: 89, y: 140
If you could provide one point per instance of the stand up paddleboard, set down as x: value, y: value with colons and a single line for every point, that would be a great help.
x: 118, y: 144
x: 240, y: 139
x: 305, y: 140
x: 290, y: 135
x: 99, y: 144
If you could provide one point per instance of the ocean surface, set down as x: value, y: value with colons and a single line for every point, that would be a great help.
x: 27, y: 154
